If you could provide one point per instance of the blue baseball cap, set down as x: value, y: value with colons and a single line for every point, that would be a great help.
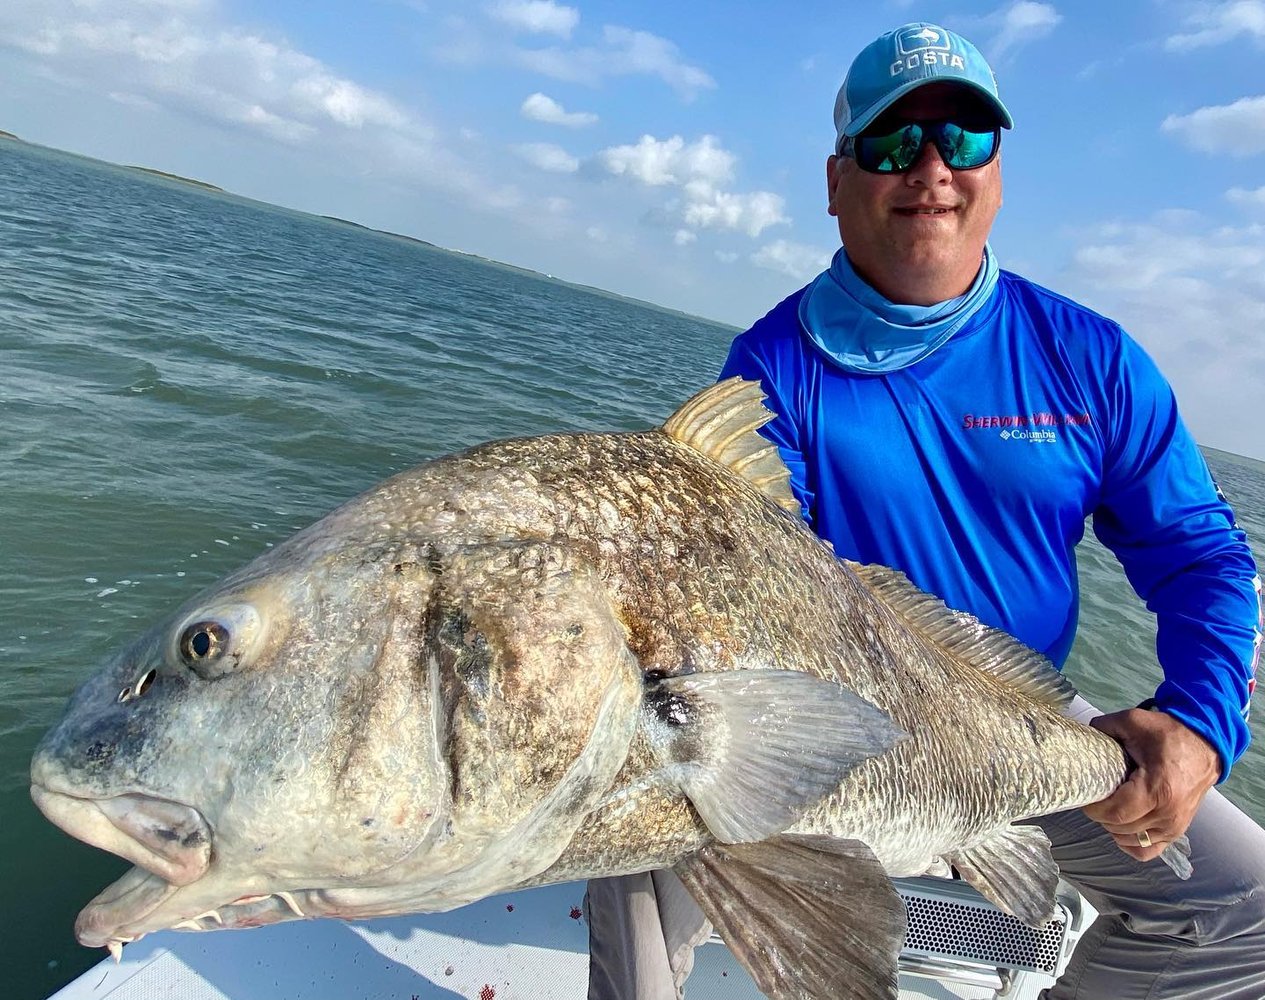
x: 903, y: 60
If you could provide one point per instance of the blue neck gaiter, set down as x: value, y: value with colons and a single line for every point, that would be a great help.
x: 863, y: 332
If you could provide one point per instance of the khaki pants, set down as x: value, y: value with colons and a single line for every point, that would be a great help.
x: 1157, y: 938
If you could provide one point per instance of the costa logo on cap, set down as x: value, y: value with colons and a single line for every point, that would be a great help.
x: 924, y: 46
x: 915, y: 40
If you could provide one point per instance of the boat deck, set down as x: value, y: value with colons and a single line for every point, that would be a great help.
x: 529, y: 944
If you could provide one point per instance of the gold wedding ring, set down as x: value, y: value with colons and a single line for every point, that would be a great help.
x: 1144, y: 839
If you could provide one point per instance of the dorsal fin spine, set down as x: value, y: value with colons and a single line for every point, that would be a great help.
x: 989, y: 650
x: 722, y: 422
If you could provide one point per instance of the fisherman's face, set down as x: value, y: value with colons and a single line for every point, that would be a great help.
x: 917, y: 237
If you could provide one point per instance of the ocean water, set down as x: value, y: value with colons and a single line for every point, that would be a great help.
x: 186, y: 377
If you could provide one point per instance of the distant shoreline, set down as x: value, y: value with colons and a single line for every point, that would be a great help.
x: 176, y: 177
x: 215, y: 189
x: 384, y: 232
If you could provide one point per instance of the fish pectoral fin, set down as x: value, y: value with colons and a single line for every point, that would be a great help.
x: 1013, y: 870
x: 810, y: 917
x: 753, y: 749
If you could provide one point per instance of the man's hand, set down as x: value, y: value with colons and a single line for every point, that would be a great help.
x: 1175, y: 768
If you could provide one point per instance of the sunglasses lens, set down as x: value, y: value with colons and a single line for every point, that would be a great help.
x: 963, y: 149
x: 891, y: 153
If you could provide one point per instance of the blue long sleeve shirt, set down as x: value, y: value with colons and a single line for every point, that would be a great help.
x: 973, y: 471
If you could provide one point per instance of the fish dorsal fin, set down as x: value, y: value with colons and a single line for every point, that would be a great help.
x: 721, y: 423
x: 987, y: 649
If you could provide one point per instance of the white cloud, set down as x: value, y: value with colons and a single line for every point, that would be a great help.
x: 541, y: 17
x: 1236, y: 129
x: 671, y: 161
x: 547, y: 156
x: 1191, y: 293
x: 726, y: 256
x: 175, y: 55
x: 798, y: 260
x: 697, y: 171
x: 1249, y: 199
x: 624, y: 52
x: 684, y: 237
x: 1019, y: 24
x: 541, y: 108
x: 751, y: 213
x: 1220, y: 23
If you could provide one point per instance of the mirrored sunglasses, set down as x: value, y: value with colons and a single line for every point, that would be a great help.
x: 897, y: 151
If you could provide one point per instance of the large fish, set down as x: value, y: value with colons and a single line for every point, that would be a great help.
x: 569, y: 656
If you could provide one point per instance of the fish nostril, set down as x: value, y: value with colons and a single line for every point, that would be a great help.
x: 141, y: 686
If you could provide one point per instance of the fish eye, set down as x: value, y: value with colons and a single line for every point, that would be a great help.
x: 215, y: 641
x: 202, y: 642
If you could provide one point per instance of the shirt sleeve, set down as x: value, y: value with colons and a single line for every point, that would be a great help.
x: 1162, y: 516
x: 784, y: 430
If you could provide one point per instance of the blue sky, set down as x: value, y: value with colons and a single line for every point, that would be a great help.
x: 675, y: 151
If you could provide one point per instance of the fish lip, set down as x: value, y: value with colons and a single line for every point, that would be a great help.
x: 123, y: 904
x: 169, y: 839
x: 140, y: 903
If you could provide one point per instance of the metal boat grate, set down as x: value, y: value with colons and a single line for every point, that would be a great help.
x: 954, y: 929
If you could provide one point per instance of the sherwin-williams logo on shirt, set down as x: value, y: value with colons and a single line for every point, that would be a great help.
x: 1037, y: 428
x: 923, y: 47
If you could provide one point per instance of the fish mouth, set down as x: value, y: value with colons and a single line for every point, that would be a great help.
x: 141, y: 902
x: 170, y: 845
x: 174, y: 885
x: 169, y: 839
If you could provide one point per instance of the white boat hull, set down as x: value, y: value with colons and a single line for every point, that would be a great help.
x: 529, y: 944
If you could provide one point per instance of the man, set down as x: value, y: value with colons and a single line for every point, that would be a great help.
x: 960, y: 423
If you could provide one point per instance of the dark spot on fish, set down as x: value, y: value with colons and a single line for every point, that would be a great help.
x: 671, y: 709
x: 167, y: 834
x: 654, y: 676
x: 448, y: 970
x: 100, y: 752
x: 1032, y: 728
x: 574, y: 631
x: 487, y: 993
x: 193, y: 839
x: 367, y: 821
x: 452, y: 630
x: 576, y: 913
x: 509, y: 907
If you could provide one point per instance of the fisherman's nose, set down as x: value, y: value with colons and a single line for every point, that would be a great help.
x: 929, y: 169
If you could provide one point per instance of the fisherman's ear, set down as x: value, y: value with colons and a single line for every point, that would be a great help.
x: 832, y: 182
